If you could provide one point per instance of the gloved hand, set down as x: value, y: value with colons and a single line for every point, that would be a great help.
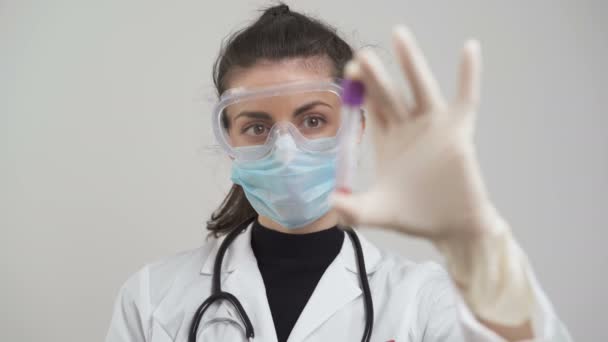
x: 428, y: 181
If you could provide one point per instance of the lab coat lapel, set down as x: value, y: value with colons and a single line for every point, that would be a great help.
x: 338, y: 286
x: 245, y: 282
x: 173, y: 315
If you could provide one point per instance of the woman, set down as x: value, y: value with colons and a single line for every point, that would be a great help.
x: 284, y: 270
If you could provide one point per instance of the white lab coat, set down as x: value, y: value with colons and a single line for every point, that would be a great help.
x: 412, y: 301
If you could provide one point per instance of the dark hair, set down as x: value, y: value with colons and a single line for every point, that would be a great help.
x: 277, y: 34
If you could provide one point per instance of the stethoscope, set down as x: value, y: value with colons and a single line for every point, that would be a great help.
x: 217, y: 293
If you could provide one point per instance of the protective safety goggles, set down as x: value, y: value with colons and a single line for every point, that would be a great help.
x: 248, y: 121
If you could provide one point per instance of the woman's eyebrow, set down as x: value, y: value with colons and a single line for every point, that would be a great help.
x: 265, y: 116
x: 253, y: 115
x: 306, y: 107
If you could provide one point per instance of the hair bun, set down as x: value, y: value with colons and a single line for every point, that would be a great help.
x: 278, y: 10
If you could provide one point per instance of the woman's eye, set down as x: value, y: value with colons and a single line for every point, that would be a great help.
x: 313, y: 122
x: 256, y: 130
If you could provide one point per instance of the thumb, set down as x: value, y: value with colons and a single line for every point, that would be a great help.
x: 355, y: 209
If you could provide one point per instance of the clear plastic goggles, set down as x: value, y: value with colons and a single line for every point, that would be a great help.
x: 248, y: 121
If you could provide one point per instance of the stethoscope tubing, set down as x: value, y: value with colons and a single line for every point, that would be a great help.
x: 217, y: 293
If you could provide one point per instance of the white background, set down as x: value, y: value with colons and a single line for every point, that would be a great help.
x: 104, y: 128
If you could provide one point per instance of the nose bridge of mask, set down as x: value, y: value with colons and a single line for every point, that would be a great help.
x: 285, y: 146
x: 285, y: 139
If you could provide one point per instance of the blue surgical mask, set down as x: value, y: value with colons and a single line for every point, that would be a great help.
x: 289, y: 185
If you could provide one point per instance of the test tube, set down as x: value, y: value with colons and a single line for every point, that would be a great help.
x: 352, y: 99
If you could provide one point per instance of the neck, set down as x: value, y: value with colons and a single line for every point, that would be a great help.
x: 326, y: 221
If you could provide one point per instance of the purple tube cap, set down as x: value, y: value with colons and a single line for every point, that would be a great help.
x: 352, y: 92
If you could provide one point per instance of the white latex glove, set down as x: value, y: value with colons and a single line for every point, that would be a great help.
x: 428, y: 182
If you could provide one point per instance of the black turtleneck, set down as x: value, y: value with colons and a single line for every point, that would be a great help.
x: 291, y: 266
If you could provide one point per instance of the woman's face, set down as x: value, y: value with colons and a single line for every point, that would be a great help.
x: 314, y: 114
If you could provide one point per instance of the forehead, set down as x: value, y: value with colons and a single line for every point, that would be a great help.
x: 267, y: 73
